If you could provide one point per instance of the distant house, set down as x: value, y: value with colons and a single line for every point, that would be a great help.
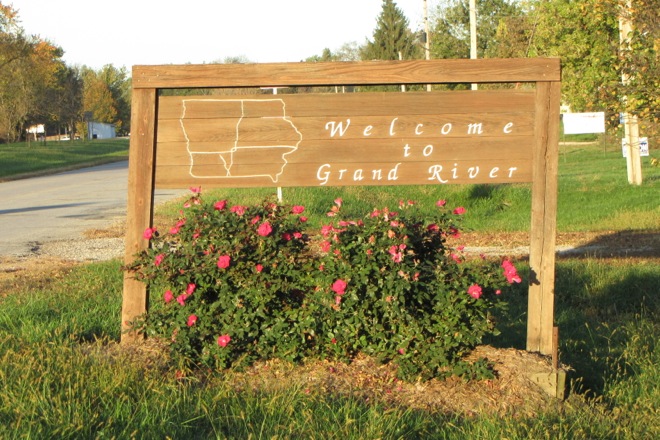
x: 37, y: 131
x: 100, y: 130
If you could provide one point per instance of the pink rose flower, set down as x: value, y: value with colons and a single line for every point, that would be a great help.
x: 159, y: 259
x: 259, y: 268
x: 181, y: 299
x: 192, y: 319
x: 297, y: 209
x: 190, y: 288
x: 440, y: 203
x: 149, y: 233
x: 459, y: 211
x: 220, y: 205
x: 265, y: 229
x: 339, y: 287
x: 223, y: 340
x: 196, y: 189
x: 168, y: 296
x: 510, y: 272
x: 325, y: 246
x: 238, y: 209
x: 475, y: 291
x: 224, y: 261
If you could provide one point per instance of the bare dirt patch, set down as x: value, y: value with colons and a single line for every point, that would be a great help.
x: 511, y: 393
x: 31, y: 273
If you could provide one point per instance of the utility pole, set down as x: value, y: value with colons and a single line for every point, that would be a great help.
x: 473, y: 33
x: 427, y: 39
x: 630, y: 123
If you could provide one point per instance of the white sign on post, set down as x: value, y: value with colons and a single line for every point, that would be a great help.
x: 581, y: 123
x: 643, y: 146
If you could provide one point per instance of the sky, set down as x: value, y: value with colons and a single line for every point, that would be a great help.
x: 140, y: 32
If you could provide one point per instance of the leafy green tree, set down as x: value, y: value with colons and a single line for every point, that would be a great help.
x: 586, y: 36
x: 119, y: 85
x: 97, y: 99
x: 451, y: 32
x: 65, y: 100
x: 392, y: 38
x: 641, y: 64
x: 347, y: 52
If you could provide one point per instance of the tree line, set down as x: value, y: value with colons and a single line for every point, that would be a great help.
x: 36, y: 86
x: 583, y: 33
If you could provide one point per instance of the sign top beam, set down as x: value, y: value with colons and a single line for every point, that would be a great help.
x: 347, y: 73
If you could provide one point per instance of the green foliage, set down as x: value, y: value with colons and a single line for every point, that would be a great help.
x: 238, y: 284
x: 593, y: 62
x: 392, y: 36
x: 496, y: 20
x: 400, y: 294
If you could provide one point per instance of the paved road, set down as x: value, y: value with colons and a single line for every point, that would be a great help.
x: 62, y: 206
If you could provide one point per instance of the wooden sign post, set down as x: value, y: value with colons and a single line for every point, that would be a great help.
x: 389, y: 138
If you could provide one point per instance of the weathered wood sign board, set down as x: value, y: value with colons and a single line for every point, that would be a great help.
x: 420, y: 138
x: 346, y: 139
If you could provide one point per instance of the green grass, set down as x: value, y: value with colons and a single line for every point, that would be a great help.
x: 21, y: 160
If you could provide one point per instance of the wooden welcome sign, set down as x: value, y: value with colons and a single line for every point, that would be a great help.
x: 341, y: 139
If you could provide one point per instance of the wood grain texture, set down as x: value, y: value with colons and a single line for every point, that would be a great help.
x: 140, y: 202
x: 346, y: 139
x: 347, y: 73
x: 540, y: 318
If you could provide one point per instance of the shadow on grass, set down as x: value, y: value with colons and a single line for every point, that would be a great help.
x: 596, y: 305
x: 638, y: 243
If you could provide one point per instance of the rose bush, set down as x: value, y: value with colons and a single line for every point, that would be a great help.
x: 234, y: 284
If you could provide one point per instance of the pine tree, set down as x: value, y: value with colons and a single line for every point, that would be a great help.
x: 391, y: 37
